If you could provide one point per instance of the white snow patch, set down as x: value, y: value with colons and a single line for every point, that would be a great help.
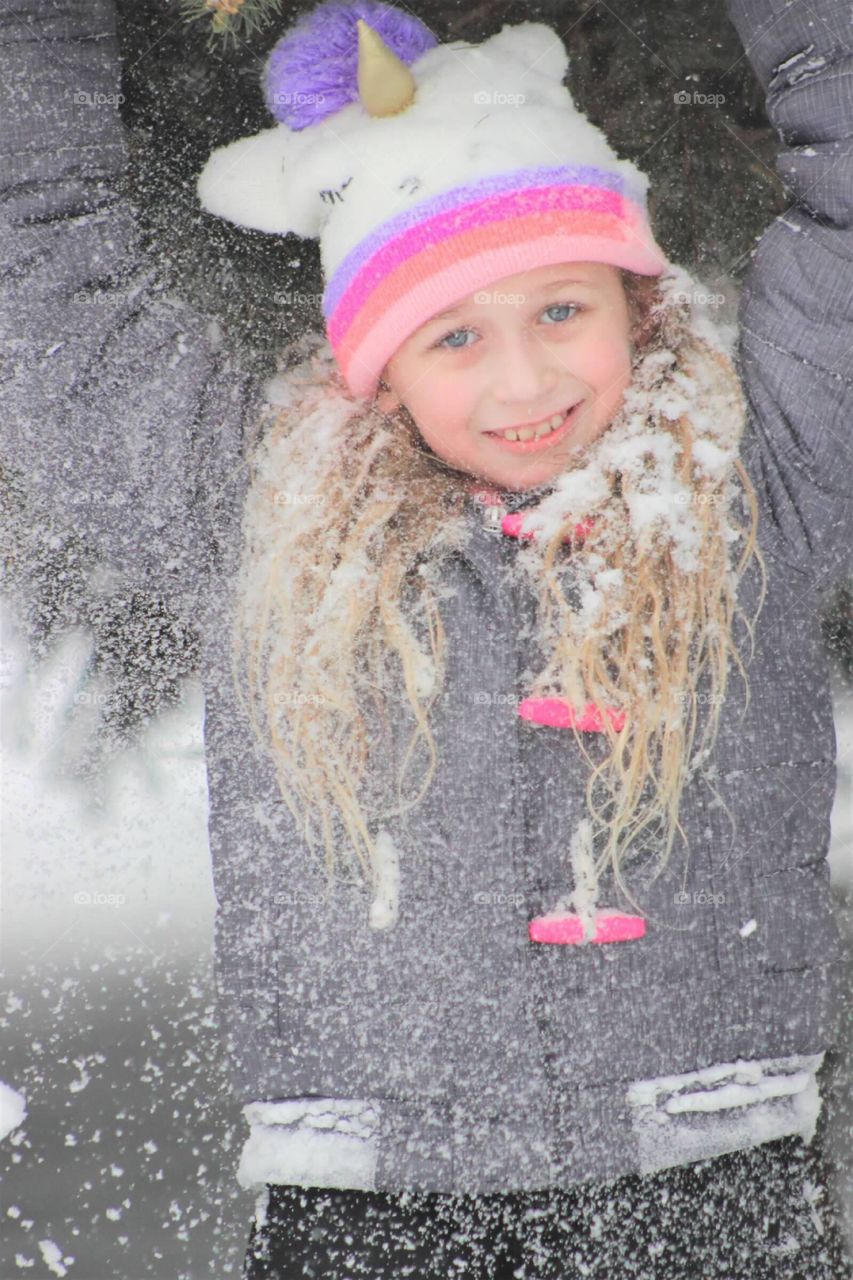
x: 585, y: 892
x: 53, y: 1258
x: 841, y: 821
x: 385, y: 906
x: 698, y: 1115
x: 583, y: 897
x: 740, y: 1095
x: 13, y: 1109
x: 795, y: 57
x: 712, y: 459
x: 322, y: 1142
x: 812, y: 1196
x: 77, y: 1085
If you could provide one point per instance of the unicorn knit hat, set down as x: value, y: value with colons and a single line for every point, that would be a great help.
x: 425, y: 170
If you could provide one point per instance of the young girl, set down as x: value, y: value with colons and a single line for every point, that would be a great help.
x: 520, y: 750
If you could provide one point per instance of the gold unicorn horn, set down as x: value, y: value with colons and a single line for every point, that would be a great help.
x: 385, y: 84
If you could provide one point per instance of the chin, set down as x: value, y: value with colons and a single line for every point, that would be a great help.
x: 528, y: 479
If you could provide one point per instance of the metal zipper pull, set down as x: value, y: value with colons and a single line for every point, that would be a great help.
x: 493, y: 517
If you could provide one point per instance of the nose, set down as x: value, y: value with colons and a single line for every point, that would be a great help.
x: 524, y: 373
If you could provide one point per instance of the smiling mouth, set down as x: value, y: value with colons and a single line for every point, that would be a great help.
x: 542, y: 432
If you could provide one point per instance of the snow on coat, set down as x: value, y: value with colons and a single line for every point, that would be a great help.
x: 469, y: 1057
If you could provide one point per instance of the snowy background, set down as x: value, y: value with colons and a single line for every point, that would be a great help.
x: 125, y: 1162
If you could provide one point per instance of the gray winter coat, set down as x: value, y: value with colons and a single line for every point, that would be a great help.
x: 474, y: 1059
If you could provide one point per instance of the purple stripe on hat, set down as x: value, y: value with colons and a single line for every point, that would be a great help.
x: 457, y: 225
x: 467, y: 194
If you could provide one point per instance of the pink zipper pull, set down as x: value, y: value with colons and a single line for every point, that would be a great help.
x: 567, y: 929
x: 513, y: 521
x: 559, y: 714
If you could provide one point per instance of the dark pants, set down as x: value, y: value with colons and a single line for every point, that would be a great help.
x: 761, y: 1214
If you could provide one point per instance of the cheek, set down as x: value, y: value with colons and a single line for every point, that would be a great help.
x: 439, y: 407
x: 607, y: 366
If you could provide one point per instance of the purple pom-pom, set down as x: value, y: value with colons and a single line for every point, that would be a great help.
x: 312, y: 70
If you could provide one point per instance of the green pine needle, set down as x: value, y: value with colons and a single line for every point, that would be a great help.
x: 251, y: 17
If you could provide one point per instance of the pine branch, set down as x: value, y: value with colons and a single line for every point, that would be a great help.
x: 230, y: 19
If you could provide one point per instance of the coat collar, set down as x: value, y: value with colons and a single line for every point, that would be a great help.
x: 488, y: 550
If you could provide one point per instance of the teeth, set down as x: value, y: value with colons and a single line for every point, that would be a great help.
x: 528, y: 433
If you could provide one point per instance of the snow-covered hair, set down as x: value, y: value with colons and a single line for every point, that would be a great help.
x: 349, y: 517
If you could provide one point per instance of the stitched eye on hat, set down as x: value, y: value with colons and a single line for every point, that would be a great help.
x: 330, y: 194
x: 517, y: 155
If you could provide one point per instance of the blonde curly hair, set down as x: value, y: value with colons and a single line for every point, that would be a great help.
x: 340, y: 583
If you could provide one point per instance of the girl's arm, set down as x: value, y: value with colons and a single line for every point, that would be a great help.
x: 122, y: 411
x: 796, y: 310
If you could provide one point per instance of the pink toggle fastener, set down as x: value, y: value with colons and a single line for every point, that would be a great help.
x: 610, y: 926
x: 559, y: 714
x: 513, y: 521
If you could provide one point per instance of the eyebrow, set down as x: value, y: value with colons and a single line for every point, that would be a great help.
x: 534, y: 293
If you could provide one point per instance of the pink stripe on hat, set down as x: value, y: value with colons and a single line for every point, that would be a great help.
x: 434, y: 264
x: 470, y: 211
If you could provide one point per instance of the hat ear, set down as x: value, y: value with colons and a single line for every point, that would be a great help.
x: 251, y: 182
x: 534, y: 44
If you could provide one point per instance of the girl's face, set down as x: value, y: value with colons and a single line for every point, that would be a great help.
x: 526, y: 349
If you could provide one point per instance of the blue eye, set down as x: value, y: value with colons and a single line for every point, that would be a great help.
x: 453, y: 346
x: 457, y: 346
x: 562, y: 306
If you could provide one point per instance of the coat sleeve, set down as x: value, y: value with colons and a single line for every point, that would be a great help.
x: 795, y: 348
x: 123, y: 413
